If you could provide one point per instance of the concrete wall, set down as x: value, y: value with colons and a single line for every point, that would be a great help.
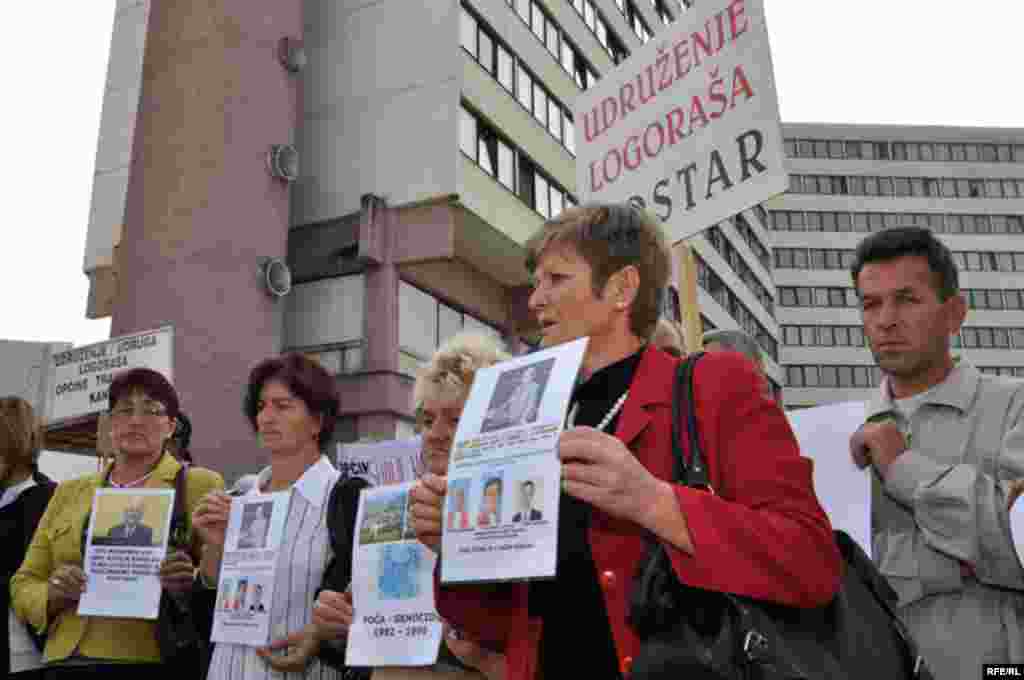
x: 381, y: 96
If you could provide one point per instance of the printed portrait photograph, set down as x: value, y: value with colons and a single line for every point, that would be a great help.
x: 130, y: 521
x: 226, y: 595
x: 398, y: 571
x: 489, y: 509
x: 383, y: 518
x: 517, y: 396
x: 256, y: 602
x: 528, y: 502
x: 458, y: 517
x: 255, y: 526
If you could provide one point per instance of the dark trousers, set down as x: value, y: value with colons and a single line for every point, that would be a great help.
x: 106, y: 671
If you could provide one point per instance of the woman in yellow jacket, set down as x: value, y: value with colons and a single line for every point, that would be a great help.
x: 46, y: 589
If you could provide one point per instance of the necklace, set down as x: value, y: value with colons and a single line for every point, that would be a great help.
x: 608, y: 417
x: 128, y: 485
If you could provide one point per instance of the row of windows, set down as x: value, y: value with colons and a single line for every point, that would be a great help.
x: 732, y: 256
x: 551, y: 35
x: 817, y: 296
x: 1006, y: 371
x: 747, y: 233
x: 791, y: 220
x: 716, y: 288
x: 870, y: 185
x: 842, y: 258
x: 971, y: 337
x: 599, y: 27
x: 509, y: 70
x: 904, y: 151
x: 837, y: 296
x: 823, y: 336
x: 831, y: 375
x: 500, y: 159
x: 424, y: 322
x: 635, y: 20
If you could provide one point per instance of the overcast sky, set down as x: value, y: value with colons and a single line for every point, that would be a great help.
x: 869, y: 61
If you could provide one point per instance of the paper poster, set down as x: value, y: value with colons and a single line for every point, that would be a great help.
x: 379, y: 463
x: 844, y: 491
x: 245, y: 589
x: 125, y: 544
x: 392, y: 585
x: 501, y: 509
x: 1017, y: 528
x: 25, y: 656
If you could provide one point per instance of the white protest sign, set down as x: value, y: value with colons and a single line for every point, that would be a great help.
x: 689, y: 125
x: 844, y: 491
x: 501, y: 509
x: 79, y: 377
x: 379, y: 463
x: 125, y: 544
x: 395, y: 622
x: 252, y: 547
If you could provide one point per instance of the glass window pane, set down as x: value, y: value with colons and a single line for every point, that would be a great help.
x: 551, y: 40
x: 467, y: 31
x: 569, y: 134
x: 540, y: 105
x: 828, y: 376
x: 541, y: 196
x: 556, y: 201
x: 417, y: 321
x: 506, y: 69
x: 449, y: 322
x: 486, y: 52
x: 811, y: 376
x: 506, y: 166
x: 467, y: 133
x: 537, y: 21
x: 555, y: 119
x: 525, y: 88
x: 487, y: 153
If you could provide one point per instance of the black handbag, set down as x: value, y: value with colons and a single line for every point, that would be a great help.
x: 182, y: 647
x: 697, y: 634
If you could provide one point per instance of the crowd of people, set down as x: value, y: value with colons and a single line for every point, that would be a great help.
x: 944, y: 447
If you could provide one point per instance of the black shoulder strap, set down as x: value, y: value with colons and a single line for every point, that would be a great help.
x: 694, y: 474
x: 179, y: 517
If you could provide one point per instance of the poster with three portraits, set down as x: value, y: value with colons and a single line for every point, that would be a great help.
x: 501, y: 508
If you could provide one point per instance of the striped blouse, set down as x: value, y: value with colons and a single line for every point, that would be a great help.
x: 302, y: 559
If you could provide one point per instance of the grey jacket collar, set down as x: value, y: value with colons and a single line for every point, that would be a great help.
x: 958, y: 390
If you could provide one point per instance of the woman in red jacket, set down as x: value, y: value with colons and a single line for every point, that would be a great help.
x: 600, y: 271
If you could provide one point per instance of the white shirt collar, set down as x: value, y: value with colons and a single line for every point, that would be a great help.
x: 314, y: 485
x: 11, y: 494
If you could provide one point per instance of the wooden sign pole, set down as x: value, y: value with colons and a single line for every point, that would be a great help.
x: 689, y: 309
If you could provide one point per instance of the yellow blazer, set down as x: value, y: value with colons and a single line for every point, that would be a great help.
x: 58, y: 540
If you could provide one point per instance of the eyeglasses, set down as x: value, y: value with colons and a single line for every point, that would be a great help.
x: 126, y: 412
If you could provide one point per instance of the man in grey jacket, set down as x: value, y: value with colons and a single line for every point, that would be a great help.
x: 945, y: 445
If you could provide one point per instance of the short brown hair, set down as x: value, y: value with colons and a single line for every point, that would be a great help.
x: 153, y: 384
x: 21, y: 434
x: 610, y: 237
x: 304, y: 378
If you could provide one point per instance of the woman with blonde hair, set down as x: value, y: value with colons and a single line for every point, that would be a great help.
x: 439, y: 394
x: 24, y: 494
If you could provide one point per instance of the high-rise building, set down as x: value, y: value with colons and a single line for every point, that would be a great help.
x: 434, y: 139
x: 846, y: 181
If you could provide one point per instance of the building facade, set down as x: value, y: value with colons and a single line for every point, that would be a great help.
x: 846, y: 181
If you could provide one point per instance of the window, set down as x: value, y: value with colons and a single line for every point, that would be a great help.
x: 506, y: 69
x: 467, y: 32
x: 506, y: 166
x: 467, y: 133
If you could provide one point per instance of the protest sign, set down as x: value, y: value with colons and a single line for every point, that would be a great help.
x: 501, y: 509
x: 245, y: 589
x: 125, y: 543
x: 79, y: 378
x: 689, y: 125
x: 379, y: 463
x: 392, y: 585
x: 823, y: 433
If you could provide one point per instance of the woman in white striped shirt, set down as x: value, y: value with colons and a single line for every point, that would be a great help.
x: 292, y: 404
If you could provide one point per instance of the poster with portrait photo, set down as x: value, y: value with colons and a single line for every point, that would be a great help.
x: 125, y: 542
x: 517, y: 396
x: 508, y: 433
x: 245, y: 591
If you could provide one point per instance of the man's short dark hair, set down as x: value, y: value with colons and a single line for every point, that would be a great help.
x: 528, y: 483
x: 890, y: 244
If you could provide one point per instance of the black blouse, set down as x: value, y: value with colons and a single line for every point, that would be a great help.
x: 576, y: 639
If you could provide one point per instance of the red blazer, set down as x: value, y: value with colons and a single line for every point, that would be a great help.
x: 762, y: 534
